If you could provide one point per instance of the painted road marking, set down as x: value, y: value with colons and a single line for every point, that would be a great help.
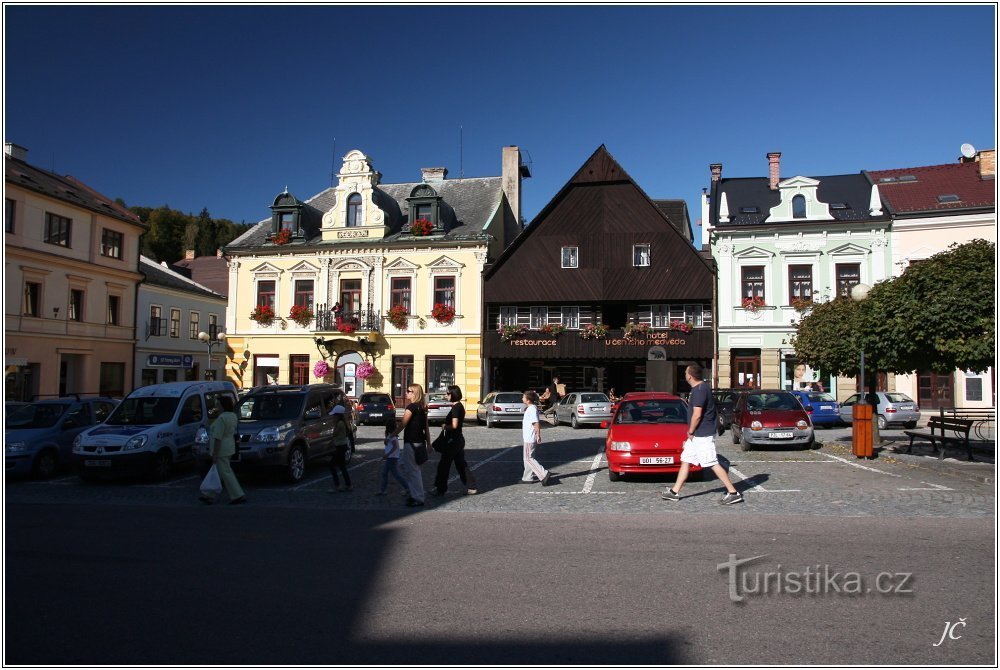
x: 594, y: 467
x: 933, y: 487
x: 862, y: 467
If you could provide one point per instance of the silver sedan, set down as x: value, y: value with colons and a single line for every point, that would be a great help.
x: 578, y: 409
x: 500, y: 407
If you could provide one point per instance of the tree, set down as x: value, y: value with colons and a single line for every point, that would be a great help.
x: 938, y: 315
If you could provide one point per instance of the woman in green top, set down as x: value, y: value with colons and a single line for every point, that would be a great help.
x: 222, y: 438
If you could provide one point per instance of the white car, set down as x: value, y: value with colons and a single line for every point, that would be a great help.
x: 438, y: 407
x: 578, y: 409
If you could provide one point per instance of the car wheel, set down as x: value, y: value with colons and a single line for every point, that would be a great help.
x: 46, y: 463
x: 614, y: 476
x: 811, y: 444
x: 478, y: 420
x: 573, y: 421
x: 296, y: 468
x: 162, y: 465
x: 491, y: 423
x: 910, y: 424
x: 882, y: 423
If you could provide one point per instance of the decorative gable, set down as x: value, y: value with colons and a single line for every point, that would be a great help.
x: 444, y: 264
x: 304, y: 269
x: 401, y: 266
x: 799, y: 201
x: 355, y: 214
x: 753, y: 252
x: 265, y: 270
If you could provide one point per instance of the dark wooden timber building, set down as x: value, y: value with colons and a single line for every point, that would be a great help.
x: 603, y: 289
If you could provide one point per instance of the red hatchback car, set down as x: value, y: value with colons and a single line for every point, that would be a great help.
x: 646, y: 435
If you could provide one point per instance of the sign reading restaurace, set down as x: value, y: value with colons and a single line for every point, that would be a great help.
x: 344, y: 234
x: 169, y: 361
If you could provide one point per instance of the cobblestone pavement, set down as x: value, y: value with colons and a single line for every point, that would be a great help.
x: 826, y: 481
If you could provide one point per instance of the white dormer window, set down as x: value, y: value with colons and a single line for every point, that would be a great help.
x: 571, y: 257
x: 640, y: 255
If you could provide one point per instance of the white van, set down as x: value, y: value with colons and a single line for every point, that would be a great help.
x: 151, y: 430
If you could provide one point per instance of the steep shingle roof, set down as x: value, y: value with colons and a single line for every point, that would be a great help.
x: 67, y: 189
x: 921, y: 194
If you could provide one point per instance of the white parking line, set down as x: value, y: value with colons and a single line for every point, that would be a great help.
x: 933, y: 487
x: 859, y: 466
x: 595, y: 465
x: 329, y: 476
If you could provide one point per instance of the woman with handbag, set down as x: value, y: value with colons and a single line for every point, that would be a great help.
x: 415, y: 439
x: 222, y: 438
x: 452, y: 448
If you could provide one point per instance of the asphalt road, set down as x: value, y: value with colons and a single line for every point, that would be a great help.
x: 584, y: 572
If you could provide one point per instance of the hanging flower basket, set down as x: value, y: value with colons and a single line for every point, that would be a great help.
x: 508, y: 333
x: 594, y: 331
x: 301, y: 315
x: 682, y: 326
x: 421, y: 228
x: 801, y: 304
x: 283, y: 236
x: 321, y: 369
x: 636, y: 329
x: 365, y: 370
x: 753, y: 304
x: 397, y: 316
x: 443, y: 313
x: 552, y: 329
x: 263, y: 314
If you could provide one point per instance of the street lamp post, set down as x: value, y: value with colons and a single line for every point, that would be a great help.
x: 207, y: 340
x: 861, y: 424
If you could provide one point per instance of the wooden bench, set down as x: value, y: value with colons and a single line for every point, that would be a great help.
x: 983, y: 418
x: 959, y: 429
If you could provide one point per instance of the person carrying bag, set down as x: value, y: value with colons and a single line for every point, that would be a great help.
x: 451, y: 445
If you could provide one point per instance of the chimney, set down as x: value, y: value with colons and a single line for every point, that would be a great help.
x: 987, y: 160
x: 15, y: 151
x: 716, y: 169
x: 433, y: 173
x: 774, y: 169
x: 218, y: 252
x: 510, y: 179
x: 188, y: 254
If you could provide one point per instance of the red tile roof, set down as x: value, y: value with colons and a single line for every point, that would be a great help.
x: 921, y: 194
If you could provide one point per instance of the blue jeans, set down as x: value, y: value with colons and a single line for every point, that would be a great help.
x: 389, y: 467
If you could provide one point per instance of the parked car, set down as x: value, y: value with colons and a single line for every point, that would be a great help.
x: 765, y: 418
x: 280, y: 428
x: 822, y: 407
x: 500, y: 407
x: 39, y: 436
x: 438, y: 407
x: 375, y: 409
x: 725, y: 401
x: 646, y: 435
x: 10, y: 405
x: 889, y: 408
x: 578, y: 409
x: 151, y: 430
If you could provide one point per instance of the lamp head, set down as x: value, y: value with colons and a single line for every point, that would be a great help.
x: 203, y: 336
x: 221, y: 337
x: 859, y: 292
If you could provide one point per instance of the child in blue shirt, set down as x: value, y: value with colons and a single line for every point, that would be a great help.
x: 390, y: 457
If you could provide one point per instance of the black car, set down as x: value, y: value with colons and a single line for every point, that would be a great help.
x: 725, y: 400
x: 375, y: 409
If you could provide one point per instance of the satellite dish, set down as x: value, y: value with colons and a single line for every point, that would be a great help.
x: 968, y: 150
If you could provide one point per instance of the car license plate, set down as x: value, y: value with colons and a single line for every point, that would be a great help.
x: 780, y: 436
x: 826, y: 406
x: 656, y: 460
x: 512, y: 409
x: 94, y: 463
x: 375, y: 415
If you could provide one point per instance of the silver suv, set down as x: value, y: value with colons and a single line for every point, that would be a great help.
x: 281, y: 428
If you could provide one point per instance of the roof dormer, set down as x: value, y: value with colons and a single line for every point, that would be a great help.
x: 287, y: 214
x: 799, y: 202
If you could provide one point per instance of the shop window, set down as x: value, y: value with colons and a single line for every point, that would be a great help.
x: 440, y: 372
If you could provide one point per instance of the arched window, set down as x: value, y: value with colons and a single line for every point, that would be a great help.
x: 799, y: 207
x: 354, y: 210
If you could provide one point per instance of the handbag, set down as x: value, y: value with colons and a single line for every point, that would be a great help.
x: 211, y: 483
x: 441, y: 442
x: 420, y: 453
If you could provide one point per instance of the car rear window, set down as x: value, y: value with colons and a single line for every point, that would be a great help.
x: 270, y: 407
x: 508, y: 398
x: 822, y: 397
x: 651, y: 411
x: 898, y: 397
x: 375, y: 397
x: 594, y: 397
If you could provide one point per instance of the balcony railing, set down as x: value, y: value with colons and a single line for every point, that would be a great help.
x: 344, y: 321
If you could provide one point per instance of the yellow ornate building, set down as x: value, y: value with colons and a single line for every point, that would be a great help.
x: 388, y: 275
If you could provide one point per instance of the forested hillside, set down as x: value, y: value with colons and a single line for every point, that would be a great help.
x: 172, y: 232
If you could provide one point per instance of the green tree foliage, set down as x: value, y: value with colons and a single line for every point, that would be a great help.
x: 172, y: 232
x: 938, y: 315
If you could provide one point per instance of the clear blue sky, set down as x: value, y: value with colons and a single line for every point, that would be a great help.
x: 222, y: 107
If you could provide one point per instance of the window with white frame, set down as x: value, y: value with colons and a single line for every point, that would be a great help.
x: 752, y: 281
x: 640, y: 255
x: 571, y: 317
x: 697, y: 315
x: 539, y: 316
x: 444, y: 291
x: 661, y: 316
x: 175, y: 322
x: 195, y: 327
x: 848, y: 276
x: 508, y: 316
x: 571, y: 257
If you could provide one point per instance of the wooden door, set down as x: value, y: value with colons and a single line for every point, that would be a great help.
x: 746, y: 372
x: 402, y: 377
x: 935, y: 391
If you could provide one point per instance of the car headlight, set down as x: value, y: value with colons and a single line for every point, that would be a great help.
x: 621, y: 446
x: 268, y: 435
x: 201, y: 437
x: 137, y: 442
x: 802, y: 424
x: 16, y: 447
x: 756, y: 425
x: 77, y: 441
